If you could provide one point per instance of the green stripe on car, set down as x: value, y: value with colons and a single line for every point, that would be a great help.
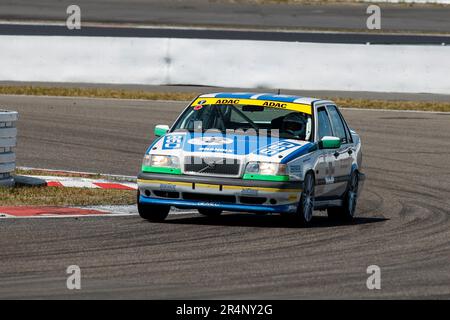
x: 249, y: 176
x: 161, y: 170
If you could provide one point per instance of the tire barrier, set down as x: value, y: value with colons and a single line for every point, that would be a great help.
x: 8, y: 135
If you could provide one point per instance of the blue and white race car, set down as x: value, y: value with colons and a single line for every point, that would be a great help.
x: 251, y: 152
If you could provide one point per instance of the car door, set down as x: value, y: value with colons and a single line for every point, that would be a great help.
x: 325, y: 166
x: 342, y: 157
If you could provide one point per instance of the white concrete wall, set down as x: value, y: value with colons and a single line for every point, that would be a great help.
x: 286, y: 65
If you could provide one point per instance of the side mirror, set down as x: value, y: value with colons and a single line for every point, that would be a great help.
x: 330, y: 143
x: 161, y: 129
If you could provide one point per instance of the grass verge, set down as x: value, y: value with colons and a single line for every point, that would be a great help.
x: 53, y: 196
x: 96, y: 93
x: 187, y: 96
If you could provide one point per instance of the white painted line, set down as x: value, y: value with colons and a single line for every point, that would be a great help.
x: 132, y: 209
x: 130, y: 25
x: 391, y: 110
x: 105, y: 175
x: 94, y: 98
x: 76, y: 182
x: 5, y: 216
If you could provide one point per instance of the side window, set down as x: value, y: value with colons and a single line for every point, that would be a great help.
x: 338, y: 125
x: 324, y: 123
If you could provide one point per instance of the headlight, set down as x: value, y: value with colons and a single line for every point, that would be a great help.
x: 266, y: 168
x: 153, y: 160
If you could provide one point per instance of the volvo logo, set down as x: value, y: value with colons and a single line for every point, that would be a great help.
x: 210, y: 164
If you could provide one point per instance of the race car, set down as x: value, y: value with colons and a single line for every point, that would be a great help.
x: 255, y: 153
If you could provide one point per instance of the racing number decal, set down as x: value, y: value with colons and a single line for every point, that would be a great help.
x: 172, y: 142
x: 276, y: 148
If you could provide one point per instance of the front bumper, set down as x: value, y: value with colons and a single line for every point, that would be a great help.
x: 189, y: 204
x: 187, y: 191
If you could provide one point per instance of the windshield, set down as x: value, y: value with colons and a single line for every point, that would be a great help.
x: 249, y: 118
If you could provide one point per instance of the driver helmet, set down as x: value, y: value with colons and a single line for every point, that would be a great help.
x: 295, y: 124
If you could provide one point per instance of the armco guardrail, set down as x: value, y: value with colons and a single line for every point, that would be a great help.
x: 8, y: 134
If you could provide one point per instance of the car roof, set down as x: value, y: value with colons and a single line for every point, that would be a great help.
x: 265, y: 96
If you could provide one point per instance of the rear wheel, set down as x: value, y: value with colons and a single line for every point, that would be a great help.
x: 210, y: 212
x: 306, y: 206
x: 347, y: 211
x: 150, y: 212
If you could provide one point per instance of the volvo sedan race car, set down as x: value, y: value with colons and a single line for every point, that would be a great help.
x: 249, y: 152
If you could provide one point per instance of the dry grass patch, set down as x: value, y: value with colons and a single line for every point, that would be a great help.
x: 187, y: 96
x: 55, y: 196
x: 96, y: 93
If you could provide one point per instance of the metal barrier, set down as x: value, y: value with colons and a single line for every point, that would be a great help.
x: 8, y: 134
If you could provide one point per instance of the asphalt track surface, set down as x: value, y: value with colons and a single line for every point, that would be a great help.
x: 223, y: 13
x: 403, y: 223
x: 314, y: 37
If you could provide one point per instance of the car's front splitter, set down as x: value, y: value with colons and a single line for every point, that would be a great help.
x: 191, y: 204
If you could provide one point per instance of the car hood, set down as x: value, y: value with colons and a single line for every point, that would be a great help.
x: 251, y: 147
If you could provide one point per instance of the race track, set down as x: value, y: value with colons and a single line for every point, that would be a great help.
x: 192, y: 33
x: 403, y: 221
x: 234, y: 14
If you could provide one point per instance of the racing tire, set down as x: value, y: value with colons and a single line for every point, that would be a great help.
x: 153, y: 213
x: 305, y: 208
x: 347, y: 211
x: 210, y: 212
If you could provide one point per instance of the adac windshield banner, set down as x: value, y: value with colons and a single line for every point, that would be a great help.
x: 254, y: 102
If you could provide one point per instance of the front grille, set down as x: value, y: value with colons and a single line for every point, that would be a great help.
x: 210, y: 165
x: 209, y: 197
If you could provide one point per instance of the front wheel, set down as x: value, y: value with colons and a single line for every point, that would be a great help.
x: 306, y: 206
x: 347, y: 211
x: 153, y: 213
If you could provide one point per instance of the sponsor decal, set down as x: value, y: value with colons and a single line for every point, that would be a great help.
x: 210, y: 141
x: 249, y: 192
x: 329, y: 180
x: 275, y: 104
x: 167, y: 187
x: 277, y: 147
x: 213, y: 149
x: 198, y: 107
x: 330, y: 172
x: 227, y: 101
x: 172, y: 142
x: 296, y: 169
x: 209, y: 204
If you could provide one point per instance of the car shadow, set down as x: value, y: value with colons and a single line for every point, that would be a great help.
x: 267, y: 221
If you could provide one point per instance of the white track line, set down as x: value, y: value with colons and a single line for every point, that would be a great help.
x: 5, y: 216
x: 104, y: 175
x: 391, y: 110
